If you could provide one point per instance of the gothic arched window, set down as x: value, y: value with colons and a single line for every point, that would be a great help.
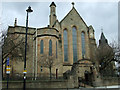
x: 50, y: 48
x: 83, y: 43
x: 65, y: 46
x: 41, y: 47
x: 74, y: 39
x: 56, y: 49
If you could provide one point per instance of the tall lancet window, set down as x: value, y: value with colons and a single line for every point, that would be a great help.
x: 56, y: 49
x: 83, y: 44
x: 74, y: 39
x: 41, y: 47
x: 50, y: 48
x: 65, y: 45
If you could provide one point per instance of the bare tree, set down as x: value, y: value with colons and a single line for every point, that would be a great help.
x: 2, y: 37
x: 116, y: 49
x: 49, y: 62
x: 14, y: 46
x: 105, y: 55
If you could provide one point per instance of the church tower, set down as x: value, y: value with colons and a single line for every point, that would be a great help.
x: 52, y: 16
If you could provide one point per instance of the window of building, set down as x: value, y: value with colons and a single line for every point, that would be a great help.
x: 41, y: 68
x: 83, y: 44
x: 74, y: 39
x: 50, y: 48
x: 56, y: 49
x: 65, y: 46
x: 41, y: 47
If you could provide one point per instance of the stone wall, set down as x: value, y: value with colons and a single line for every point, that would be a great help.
x: 40, y: 84
x: 111, y: 81
x: 70, y: 83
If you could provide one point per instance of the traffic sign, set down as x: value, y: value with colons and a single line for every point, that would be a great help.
x: 25, y: 71
x: 8, y: 69
x: 7, y: 61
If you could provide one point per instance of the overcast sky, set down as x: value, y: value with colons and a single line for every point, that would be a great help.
x: 98, y: 14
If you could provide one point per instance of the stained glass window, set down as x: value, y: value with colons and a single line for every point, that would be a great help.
x: 74, y: 39
x: 50, y: 48
x: 41, y: 47
x: 83, y: 43
x: 65, y: 46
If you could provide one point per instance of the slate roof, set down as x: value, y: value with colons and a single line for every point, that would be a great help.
x: 103, y: 40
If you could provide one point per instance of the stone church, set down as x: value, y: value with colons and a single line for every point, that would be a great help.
x: 70, y: 43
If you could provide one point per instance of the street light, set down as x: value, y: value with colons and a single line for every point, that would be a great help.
x: 28, y: 11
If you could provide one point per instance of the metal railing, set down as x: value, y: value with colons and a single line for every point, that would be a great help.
x: 30, y: 76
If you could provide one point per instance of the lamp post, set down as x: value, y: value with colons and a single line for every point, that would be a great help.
x: 28, y: 11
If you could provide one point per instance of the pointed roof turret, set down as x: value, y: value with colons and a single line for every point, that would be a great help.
x: 103, y: 40
x: 52, y: 4
x: 102, y: 36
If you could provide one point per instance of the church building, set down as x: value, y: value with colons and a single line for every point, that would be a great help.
x: 66, y: 45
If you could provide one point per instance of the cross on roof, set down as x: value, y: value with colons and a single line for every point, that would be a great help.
x: 101, y: 29
x: 73, y: 4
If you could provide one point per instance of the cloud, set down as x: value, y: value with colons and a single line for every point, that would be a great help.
x: 97, y: 14
x: 101, y: 15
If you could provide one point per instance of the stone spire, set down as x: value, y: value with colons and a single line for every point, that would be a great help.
x: 15, y: 23
x: 102, y: 36
x: 103, y: 40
